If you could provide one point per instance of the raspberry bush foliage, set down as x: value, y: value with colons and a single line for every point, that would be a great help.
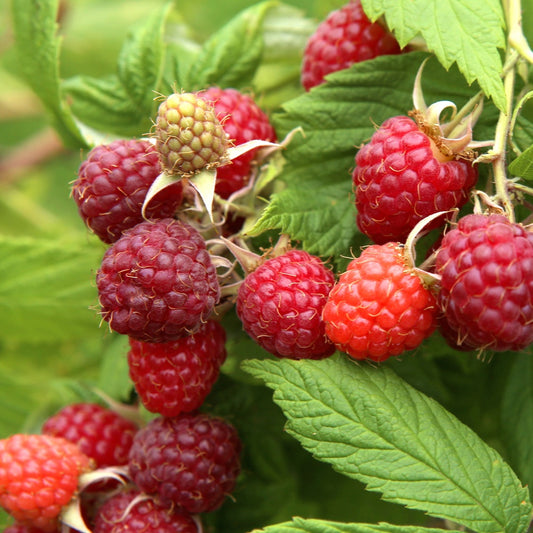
x: 404, y: 402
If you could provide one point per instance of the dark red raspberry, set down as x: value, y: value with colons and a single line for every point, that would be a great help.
x: 100, y: 433
x: 486, y: 288
x: 379, y: 307
x: 157, y: 282
x: 345, y: 37
x: 176, y: 377
x: 399, y: 180
x: 280, y: 305
x: 112, y: 184
x: 38, y: 477
x: 243, y: 120
x: 119, y: 514
x: 191, y: 461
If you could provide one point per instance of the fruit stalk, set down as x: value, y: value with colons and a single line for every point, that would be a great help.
x: 516, y: 47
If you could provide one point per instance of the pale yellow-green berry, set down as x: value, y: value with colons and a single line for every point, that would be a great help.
x: 189, y: 137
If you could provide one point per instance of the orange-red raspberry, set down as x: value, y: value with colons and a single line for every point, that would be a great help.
x: 38, y: 477
x: 379, y: 307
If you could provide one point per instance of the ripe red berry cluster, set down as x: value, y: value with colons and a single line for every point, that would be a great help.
x: 159, y: 284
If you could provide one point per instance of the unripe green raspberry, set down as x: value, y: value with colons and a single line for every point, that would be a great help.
x: 188, y: 135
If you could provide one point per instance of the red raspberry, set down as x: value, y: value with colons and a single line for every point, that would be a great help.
x: 38, y: 477
x: 243, y: 121
x: 379, y: 307
x: 100, y: 433
x: 486, y: 289
x: 176, y: 377
x: 345, y: 37
x: 157, y: 282
x: 112, y: 184
x: 118, y: 515
x: 399, y: 180
x: 191, y: 461
x: 280, y: 305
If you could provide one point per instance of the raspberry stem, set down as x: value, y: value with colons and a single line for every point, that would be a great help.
x: 500, y: 139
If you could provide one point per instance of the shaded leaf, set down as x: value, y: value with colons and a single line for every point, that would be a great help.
x: 36, y: 60
x: 372, y: 426
x: 46, y: 288
x: 455, y: 32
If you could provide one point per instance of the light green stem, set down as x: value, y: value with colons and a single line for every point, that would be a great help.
x: 517, y: 48
x: 500, y: 142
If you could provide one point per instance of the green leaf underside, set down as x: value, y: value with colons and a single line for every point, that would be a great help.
x: 336, y: 118
x: 46, y: 289
x: 371, y: 425
x: 301, y: 525
x: 122, y: 104
x: 522, y: 166
x: 230, y: 57
x: 141, y: 59
x: 37, y: 61
x: 104, y: 105
x: 517, y: 416
x: 466, y: 32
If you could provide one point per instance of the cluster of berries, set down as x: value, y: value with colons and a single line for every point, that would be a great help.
x: 93, y: 467
x: 159, y: 284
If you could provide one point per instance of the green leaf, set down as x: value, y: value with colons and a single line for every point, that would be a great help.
x: 114, y: 379
x: 103, y: 105
x: 336, y: 118
x: 141, y: 59
x: 517, y: 416
x: 522, y: 166
x: 466, y: 32
x: 46, y: 288
x: 36, y: 60
x: 301, y: 525
x: 323, y: 222
x: 230, y: 57
x: 372, y: 426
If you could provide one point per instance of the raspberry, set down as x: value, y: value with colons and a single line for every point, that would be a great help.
x: 191, y: 461
x: 100, y: 433
x: 38, y: 477
x: 119, y: 514
x: 112, y: 184
x: 243, y: 121
x: 399, y: 181
x: 345, y: 37
x: 486, y: 288
x: 280, y: 305
x: 157, y: 282
x: 188, y: 135
x: 379, y: 307
x: 176, y: 377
